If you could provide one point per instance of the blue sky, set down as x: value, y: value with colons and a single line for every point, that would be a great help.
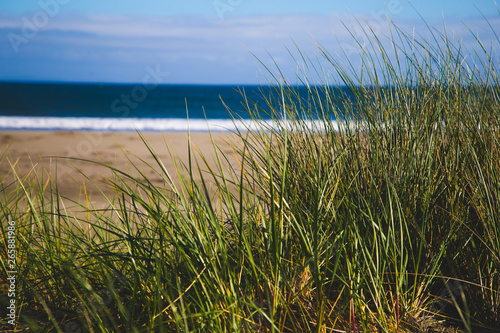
x: 201, y: 41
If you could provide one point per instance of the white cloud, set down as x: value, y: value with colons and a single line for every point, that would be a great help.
x: 214, y: 45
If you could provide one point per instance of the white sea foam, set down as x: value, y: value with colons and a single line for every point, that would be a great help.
x: 119, y: 124
x: 133, y: 124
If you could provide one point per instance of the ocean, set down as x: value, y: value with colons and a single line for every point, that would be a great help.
x: 124, y: 107
x: 129, y: 107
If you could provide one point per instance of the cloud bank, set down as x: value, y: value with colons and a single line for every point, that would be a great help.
x: 112, y: 48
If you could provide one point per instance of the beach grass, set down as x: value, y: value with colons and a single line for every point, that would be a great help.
x: 386, y: 220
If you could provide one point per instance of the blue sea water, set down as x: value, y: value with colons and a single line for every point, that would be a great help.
x: 126, y: 107
x: 74, y: 106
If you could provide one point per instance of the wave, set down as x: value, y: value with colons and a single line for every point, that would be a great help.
x: 143, y: 124
x: 121, y: 124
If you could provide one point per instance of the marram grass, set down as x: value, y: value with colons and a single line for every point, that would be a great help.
x: 387, y: 222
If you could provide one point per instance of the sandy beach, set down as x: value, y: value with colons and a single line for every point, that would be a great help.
x: 31, y: 152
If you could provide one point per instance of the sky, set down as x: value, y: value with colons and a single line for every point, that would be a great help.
x: 207, y: 41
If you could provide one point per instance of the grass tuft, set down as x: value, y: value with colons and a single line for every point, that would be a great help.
x: 385, y: 220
